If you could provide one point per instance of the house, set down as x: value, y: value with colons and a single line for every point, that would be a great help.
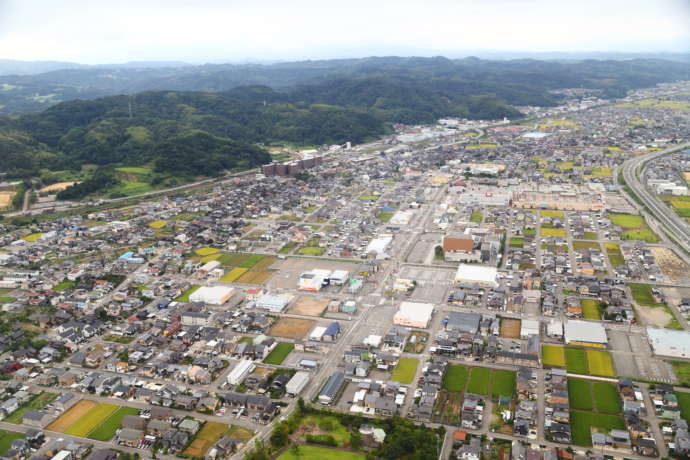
x: 130, y: 437
x: 134, y: 422
x: 37, y: 418
x: 471, y: 451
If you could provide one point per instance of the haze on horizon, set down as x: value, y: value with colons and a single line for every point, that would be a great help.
x: 98, y: 32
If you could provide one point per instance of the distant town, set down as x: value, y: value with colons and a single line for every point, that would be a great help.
x: 469, y: 289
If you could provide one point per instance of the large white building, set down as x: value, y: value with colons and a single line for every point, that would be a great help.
x: 379, y: 245
x: 313, y: 280
x: 212, y: 295
x: 414, y: 314
x: 484, y: 275
x: 667, y: 342
x: 240, y: 371
x: 584, y: 333
x: 272, y: 303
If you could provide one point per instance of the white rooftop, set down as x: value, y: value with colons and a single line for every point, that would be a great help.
x: 669, y: 342
x: 474, y: 273
x: 584, y: 331
x: 416, y: 311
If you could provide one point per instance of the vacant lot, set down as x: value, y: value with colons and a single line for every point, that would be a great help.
x: 405, y: 370
x: 510, y: 328
x: 6, y: 199
x: 279, y: 353
x: 92, y: 419
x: 68, y: 418
x: 184, y: 297
x: 58, y: 186
x: 455, y: 378
x: 576, y: 360
x: 107, y: 429
x: 309, y: 306
x: 591, y: 309
x: 673, y: 267
x: 600, y: 363
x: 479, y: 381
x: 580, y: 394
x: 205, y: 438
x: 291, y: 328
x: 582, y: 422
x: 607, y: 398
x: 642, y: 294
x: 553, y: 355
x: 634, y: 227
x: 38, y: 402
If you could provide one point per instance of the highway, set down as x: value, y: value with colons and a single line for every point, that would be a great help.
x: 665, y: 215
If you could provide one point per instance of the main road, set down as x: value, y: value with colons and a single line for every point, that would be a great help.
x: 675, y: 225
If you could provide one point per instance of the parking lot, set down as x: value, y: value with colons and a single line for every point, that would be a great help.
x: 433, y: 284
x: 290, y: 269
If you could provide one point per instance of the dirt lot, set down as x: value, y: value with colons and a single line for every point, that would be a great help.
x: 675, y: 269
x: 510, y: 328
x: 652, y: 316
x: 73, y: 414
x: 291, y: 328
x: 309, y: 306
x: 56, y: 187
x: 5, y: 199
x: 292, y: 267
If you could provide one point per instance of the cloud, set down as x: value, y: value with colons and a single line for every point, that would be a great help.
x: 105, y: 31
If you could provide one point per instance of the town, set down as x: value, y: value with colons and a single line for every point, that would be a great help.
x: 497, y: 286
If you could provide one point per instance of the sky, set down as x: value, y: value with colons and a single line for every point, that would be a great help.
x: 111, y: 31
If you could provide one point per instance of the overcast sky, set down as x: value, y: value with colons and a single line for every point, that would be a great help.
x: 108, y: 31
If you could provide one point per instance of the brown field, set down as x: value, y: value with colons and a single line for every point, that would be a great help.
x: 73, y: 414
x: 264, y: 263
x: 291, y: 328
x: 670, y: 264
x: 255, y: 277
x: 56, y: 187
x: 309, y: 306
x: 510, y: 328
x: 6, y: 199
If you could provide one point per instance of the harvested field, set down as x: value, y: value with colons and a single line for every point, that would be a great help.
x: 56, y: 187
x: 291, y: 328
x: 255, y: 277
x: 205, y: 438
x: 309, y: 306
x: 510, y: 328
x: 6, y: 199
x: 673, y: 267
x: 67, y: 419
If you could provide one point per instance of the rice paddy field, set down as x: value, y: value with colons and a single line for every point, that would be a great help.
x: 553, y: 355
x: 479, y: 380
x: 633, y: 227
x: 581, y: 423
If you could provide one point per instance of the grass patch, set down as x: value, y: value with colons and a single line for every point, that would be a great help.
x: 6, y: 438
x: 64, y: 285
x: 233, y: 274
x: 600, y: 363
x: 33, y: 237
x: 602, y: 172
x: 206, y: 251
x: 405, y: 370
x: 613, y: 251
x: 591, y: 236
x: 479, y: 381
x: 384, y: 216
x: 455, y: 378
x: 288, y: 247
x: 118, y: 338
x: 591, y: 309
x: 582, y: 422
x: 585, y: 245
x: 682, y: 371
x: 552, y: 213
x: 516, y: 242
x: 476, y: 217
x: 642, y: 294
x: 279, y: 353
x: 607, y: 398
x: 503, y: 383
x: 557, y: 232
x: 251, y: 260
x: 330, y: 425
x: 369, y: 197
x: 106, y: 430
x: 38, y: 402
x: 580, y: 394
x: 684, y: 403
x: 634, y: 227
x: 309, y: 452
x: 7, y: 299
x: 184, y: 297
x: 207, y: 436
x: 576, y: 360
x: 158, y: 224
x: 311, y: 251
x: 553, y: 355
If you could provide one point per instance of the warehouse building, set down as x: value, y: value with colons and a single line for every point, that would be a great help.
x: 378, y: 246
x: 529, y: 327
x: 240, y: 371
x: 585, y: 333
x: 297, y: 383
x: 667, y: 342
x: 414, y: 314
x: 272, y: 303
x: 212, y: 295
x: 331, y: 391
x: 463, y: 322
x: 483, y: 275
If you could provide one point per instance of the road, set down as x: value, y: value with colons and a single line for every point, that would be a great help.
x: 632, y: 169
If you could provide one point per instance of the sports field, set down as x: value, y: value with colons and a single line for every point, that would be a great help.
x: 279, y: 353
x: 553, y: 355
x: 205, y: 438
x: 405, y: 370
